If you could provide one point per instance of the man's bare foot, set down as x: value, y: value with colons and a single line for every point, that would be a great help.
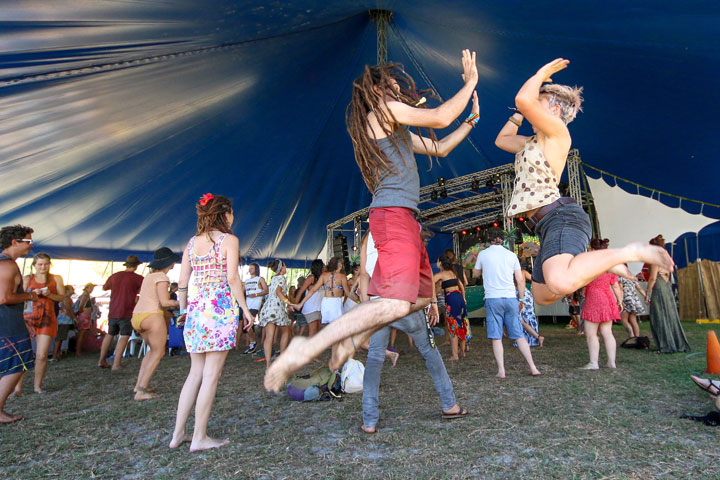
x: 290, y: 361
x: 453, y: 359
x: 541, y: 339
x: 9, y: 418
x: 17, y: 393
x: 143, y: 394
x: 118, y: 367
x: 176, y: 442
x: 581, y: 332
x: 622, y: 271
x: 369, y: 429
x: 652, y: 254
x: 103, y: 365
x: 590, y: 366
x: 535, y: 372
x: 500, y: 375
x: 342, y: 352
x: 40, y: 390
x: 393, y: 356
x: 611, y: 365
x: 207, y: 443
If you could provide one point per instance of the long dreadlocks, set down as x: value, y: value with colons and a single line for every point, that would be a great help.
x: 373, y: 163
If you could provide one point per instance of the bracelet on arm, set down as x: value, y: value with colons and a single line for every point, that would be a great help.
x: 472, y: 119
x: 515, y: 121
x: 183, y: 311
x: 433, y: 302
x: 182, y: 289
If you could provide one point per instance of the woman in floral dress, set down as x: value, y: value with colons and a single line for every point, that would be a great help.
x: 632, y: 306
x: 209, y: 314
x: 274, y: 313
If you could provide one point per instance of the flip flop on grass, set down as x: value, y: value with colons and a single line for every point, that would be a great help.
x: 459, y: 414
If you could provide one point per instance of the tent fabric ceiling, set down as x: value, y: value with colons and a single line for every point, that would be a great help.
x: 115, y: 117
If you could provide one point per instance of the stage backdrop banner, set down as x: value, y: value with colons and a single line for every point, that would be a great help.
x: 625, y: 217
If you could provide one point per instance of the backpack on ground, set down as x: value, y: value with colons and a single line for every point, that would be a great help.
x: 321, y: 384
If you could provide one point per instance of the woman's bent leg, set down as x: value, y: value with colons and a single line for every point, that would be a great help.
x: 268, y: 343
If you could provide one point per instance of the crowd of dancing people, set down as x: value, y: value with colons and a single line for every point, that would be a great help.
x: 393, y: 286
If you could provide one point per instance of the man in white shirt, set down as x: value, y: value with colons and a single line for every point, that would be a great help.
x: 499, y: 267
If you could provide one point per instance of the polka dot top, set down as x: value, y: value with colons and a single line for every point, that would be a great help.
x: 535, y: 184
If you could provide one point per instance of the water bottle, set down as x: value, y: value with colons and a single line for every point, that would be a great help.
x: 28, y: 306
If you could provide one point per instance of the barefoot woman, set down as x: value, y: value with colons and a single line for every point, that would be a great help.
x: 149, y: 317
x: 212, y: 320
x: 564, y: 229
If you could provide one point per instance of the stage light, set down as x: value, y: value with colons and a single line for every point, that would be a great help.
x: 489, y: 184
x: 464, y: 232
x: 441, y: 182
x: 496, y: 224
x: 443, y: 192
x: 434, y: 195
x: 475, y: 185
x: 477, y: 228
x: 521, y: 219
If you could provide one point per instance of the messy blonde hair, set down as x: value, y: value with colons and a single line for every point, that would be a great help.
x: 569, y: 98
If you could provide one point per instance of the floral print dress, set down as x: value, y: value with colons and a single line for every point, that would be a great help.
x: 274, y: 310
x: 212, y: 315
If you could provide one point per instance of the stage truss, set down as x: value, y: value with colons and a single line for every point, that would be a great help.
x: 462, y: 203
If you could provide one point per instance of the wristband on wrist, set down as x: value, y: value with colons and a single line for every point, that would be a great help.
x: 472, y: 119
x: 515, y: 121
x: 433, y: 302
x: 183, y: 311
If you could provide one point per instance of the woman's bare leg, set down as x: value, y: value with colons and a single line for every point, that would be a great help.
x: 41, y: 357
x: 634, y: 324
x: 268, y: 343
x: 610, y: 344
x: 454, y: 348
x: 79, y: 342
x: 188, y: 395
x: 314, y: 327
x: 624, y: 319
x: 285, y: 334
x: 591, y: 331
x: 214, y: 362
x: 155, y: 335
x: 565, y: 273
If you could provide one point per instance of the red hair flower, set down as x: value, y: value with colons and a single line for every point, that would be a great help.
x: 206, y: 198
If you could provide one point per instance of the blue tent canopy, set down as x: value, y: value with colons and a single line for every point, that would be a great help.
x: 115, y: 117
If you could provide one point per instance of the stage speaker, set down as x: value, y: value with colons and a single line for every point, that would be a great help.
x: 340, y: 249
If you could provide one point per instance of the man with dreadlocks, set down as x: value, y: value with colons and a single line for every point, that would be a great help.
x: 384, y: 106
x: 562, y: 266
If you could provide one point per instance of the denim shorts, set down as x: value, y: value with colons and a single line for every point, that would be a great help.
x: 565, y: 229
x: 503, y: 312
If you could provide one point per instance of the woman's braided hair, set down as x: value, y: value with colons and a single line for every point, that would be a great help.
x: 373, y: 163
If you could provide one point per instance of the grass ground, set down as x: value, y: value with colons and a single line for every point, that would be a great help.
x: 567, y: 423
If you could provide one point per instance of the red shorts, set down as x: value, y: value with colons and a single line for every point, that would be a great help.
x: 403, y: 268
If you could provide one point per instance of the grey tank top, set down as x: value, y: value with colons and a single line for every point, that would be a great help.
x: 11, y: 315
x: 401, y: 187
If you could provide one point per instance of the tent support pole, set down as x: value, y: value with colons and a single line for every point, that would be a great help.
x: 382, y: 19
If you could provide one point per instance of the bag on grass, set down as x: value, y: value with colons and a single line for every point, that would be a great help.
x: 639, y: 343
x: 321, y: 384
x: 352, y: 376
